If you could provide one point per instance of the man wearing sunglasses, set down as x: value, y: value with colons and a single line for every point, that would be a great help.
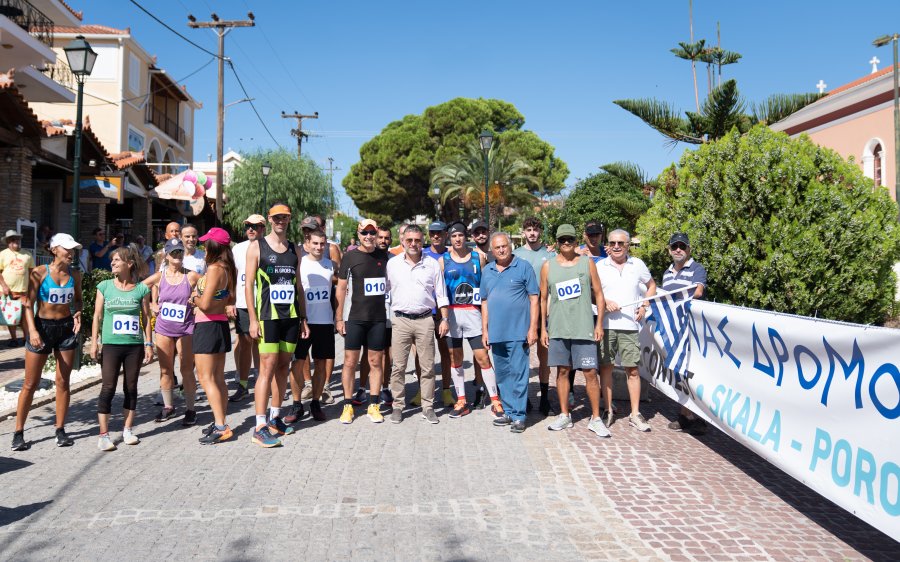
x: 684, y: 272
x: 593, y: 241
x: 568, y: 282
x: 254, y: 226
x: 622, y: 277
x: 366, y: 269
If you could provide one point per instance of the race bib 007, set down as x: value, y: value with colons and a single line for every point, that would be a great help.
x: 281, y: 294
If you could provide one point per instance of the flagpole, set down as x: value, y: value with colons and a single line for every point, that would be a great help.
x: 660, y: 294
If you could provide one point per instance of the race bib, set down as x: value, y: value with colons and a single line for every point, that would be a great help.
x: 281, y: 294
x: 374, y: 286
x: 173, y: 312
x: 570, y: 289
x: 61, y: 296
x: 126, y: 325
x: 319, y: 294
x: 476, y: 295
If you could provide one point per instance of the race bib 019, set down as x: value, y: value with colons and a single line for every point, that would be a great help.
x: 281, y: 294
x: 570, y: 289
x: 61, y: 296
x: 319, y: 294
x: 374, y: 286
x: 172, y: 312
x: 126, y: 325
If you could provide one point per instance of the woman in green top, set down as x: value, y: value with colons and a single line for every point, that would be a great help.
x: 122, y: 310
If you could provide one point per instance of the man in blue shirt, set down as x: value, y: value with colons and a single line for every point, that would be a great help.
x: 509, y: 320
x: 437, y: 233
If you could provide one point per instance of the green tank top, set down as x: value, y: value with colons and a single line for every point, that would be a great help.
x: 122, y: 313
x: 569, y: 304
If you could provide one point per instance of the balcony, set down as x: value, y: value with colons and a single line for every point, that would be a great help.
x: 59, y: 73
x: 162, y: 122
x: 29, y: 18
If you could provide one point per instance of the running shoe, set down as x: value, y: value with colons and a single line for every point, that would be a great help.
x: 130, y: 438
x: 417, y: 399
x: 638, y: 422
x: 209, y: 429
x: 396, y: 415
x: 315, y: 410
x: 165, y: 414
x: 447, y: 396
x: 497, y: 409
x: 190, y: 418
x: 386, y: 397
x: 347, y: 414
x: 517, y: 426
x: 683, y: 423
x: 62, y: 439
x: 528, y: 406
x: 264, y: 438
x: 278, y: 428
x: 217, y: 436
x: 608, y: 417
x: 360, y: 397
x: 562, y: 421
x: 598, y: 426
x: 430, y: 416
x: 19, y: 443
x: 327, y: 397
x: 306, y: 393
x: 295, y: 414
x: 502, y: 420
x: 105, y: 443
x: 374, y: 413
x: 461, y: 409
x: 698, y: 427
x: 240, y: 393
x: 478, y: 403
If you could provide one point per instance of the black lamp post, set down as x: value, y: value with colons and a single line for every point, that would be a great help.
x: 81, y: 59
x: 436, y: 195
x: 881, y: 42
x: 266, y: 168
x: 486, y: 139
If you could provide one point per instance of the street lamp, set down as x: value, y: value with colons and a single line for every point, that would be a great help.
x: 881, y: 42
x: 81, y: 59
x: 436, y: 195
x: 486, y: 139
x: 266, y: 168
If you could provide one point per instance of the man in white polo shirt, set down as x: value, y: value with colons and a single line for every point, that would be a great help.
x: 621, y: 277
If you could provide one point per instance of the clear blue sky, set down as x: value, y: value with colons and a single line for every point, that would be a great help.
x: 362, y: 64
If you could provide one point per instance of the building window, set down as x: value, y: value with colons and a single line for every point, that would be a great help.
x: 134, y: 74
x: 877, y: 165
x: 873, y: 161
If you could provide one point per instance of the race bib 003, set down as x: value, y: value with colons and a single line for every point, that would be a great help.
x: 126, y: 325
x: 374, y: 286
x: 570, y: 289
x: 172, y: 312
x: 281, y: 294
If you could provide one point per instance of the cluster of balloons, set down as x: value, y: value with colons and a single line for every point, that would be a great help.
x: 194, y: 184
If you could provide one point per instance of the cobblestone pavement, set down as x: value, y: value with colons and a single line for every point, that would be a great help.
x: 459, y: 490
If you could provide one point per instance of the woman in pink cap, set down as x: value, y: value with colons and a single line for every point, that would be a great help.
x: 212, y: 337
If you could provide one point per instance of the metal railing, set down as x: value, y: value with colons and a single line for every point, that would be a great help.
x: 29, y: 18
x: 60, y: 73
x: 164, y: 124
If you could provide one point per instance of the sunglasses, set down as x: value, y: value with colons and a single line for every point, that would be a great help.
x: 177, y: 253
x: 368, y: 232
x: 616, y: 243
x: 678, y: 246
x: 253, y: 226
x: 566, y: 240
x: 280, y: 218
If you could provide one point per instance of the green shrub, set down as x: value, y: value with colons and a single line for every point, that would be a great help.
x: 89, y: 296
x: 780, y: 224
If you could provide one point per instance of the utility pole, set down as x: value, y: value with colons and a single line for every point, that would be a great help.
x: 298, y: 132
x: 221, y: 27
x: 331, y: 170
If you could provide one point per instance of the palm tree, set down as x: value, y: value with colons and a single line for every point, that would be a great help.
x: 509, y: 176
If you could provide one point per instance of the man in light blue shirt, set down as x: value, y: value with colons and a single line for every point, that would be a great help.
x: 509, y: 307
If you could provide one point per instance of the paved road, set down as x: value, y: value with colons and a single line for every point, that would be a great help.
x: 460, y: 490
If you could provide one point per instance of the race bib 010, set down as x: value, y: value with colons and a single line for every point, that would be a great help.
x: 570, y: 289
x: 374, y: 286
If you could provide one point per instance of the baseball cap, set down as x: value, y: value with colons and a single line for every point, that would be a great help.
x: 363, y: 224
x: 221, y: 236
x: 172, y: 245
x: 565, y: 230
x: 479, y: 224
x: 310, y: 223
x: 255, y: 219
x: 437, y: 226
x: 457, y: 226
x: 11, y: 234
x: 64, y: 240
x: 679, y: 237
x: 593, y: 227
x: 279, y: 209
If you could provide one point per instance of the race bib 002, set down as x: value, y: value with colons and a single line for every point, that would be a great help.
x: 281, y: 294
x: 172, y: 312
x: 374, y: 286
x: 126, y: 325
x: 570, y: 289
x: 61, y: 296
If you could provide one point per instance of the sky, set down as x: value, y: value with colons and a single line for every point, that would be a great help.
x: 363, y: 64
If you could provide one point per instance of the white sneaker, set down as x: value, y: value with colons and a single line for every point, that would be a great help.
x: 130, y: 438
x: 561, y: 422
x: 105, y: 443
x: 597, y: 426
x: 638, y: 422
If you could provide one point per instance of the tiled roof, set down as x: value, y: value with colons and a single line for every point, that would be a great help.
x: 863, y: 80
x: 124, y: 160
x: 79, y: 15
x: 91, y: 30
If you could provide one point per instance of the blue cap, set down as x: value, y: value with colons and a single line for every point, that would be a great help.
x: 172, y: 245
x: 437, y: 226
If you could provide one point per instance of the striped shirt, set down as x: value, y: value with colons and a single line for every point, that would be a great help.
x: 691, y: 273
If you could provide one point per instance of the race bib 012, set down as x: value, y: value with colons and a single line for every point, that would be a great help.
x: 319, y: 294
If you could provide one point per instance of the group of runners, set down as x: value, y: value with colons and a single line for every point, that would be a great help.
x: 289, y: 300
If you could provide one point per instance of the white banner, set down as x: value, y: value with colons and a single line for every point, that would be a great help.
x: 818, y: 399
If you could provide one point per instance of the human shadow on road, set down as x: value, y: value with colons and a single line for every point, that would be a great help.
x: 9, y: 464
x: 10, y: 515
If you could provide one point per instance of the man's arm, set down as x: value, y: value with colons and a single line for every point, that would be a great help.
x: 597, y: 290
x: 532, y: 328
x: 651, y: 290
x: 485, y: 340
x: 250, y: 286
x: 545, y: 303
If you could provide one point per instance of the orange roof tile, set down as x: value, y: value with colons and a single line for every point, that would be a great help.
x: 91, y: 30
x: 79, y: 15
x: 124, y: 160
x: 863, y: 80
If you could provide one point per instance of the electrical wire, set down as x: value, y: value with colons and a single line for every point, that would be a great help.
x: 246, y: 95
x: 164, y: 24
x: 151, y: 92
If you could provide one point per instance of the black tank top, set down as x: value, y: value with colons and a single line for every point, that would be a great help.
x: 276, y: 283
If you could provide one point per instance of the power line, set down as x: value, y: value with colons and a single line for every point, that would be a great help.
x: 143, y: 95
x: 164, y: 24
x: 263, y: 123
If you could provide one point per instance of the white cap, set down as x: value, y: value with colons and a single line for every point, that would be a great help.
x: 64, y: 240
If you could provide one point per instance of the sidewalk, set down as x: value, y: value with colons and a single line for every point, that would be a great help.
x: 459, y: 490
